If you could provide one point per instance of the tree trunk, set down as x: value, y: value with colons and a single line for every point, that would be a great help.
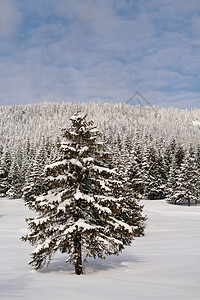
x: 77, y: 248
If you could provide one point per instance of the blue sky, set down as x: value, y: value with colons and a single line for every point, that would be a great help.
x: 100, y: 50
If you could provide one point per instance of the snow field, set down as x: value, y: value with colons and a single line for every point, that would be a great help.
x: 164, y: 264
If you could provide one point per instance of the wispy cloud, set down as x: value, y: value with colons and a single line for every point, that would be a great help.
x: 10, y: 19
x: 100, y: 50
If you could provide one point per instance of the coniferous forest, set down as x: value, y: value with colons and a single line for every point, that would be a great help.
x: 157, y: 149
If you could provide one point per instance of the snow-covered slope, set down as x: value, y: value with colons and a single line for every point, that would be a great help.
x: 164, y: 264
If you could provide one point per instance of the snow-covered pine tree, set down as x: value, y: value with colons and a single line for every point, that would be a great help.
x: 152, y: 172
x: 34, y: 179
x: 5, y: 164
x: 179, y: 154
x: 134, y: 171
x: 172, y: 188
x: 185, y: 190
x: 88, y: 209
x: 169, y: 159
x: 198, y: 156
x: 15, y: 181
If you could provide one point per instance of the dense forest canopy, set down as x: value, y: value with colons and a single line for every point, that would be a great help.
x: 142, y: 138
x: 20, y: 123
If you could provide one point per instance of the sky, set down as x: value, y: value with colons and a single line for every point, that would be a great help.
x: 100, y: 50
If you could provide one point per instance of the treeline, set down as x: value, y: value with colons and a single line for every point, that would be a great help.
x: 157, y: 148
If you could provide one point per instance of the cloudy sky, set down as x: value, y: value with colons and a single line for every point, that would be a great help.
x: 100, y: 50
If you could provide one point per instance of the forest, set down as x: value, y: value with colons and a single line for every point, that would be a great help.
x: 158, y: 149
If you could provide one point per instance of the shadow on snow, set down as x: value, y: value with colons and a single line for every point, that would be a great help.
x: 93, y: 265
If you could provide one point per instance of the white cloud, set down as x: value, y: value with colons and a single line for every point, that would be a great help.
x: 100, y: 50
x: 10, y: 18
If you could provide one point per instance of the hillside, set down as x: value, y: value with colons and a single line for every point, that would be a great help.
x: 151, y: 144
x: 20, y: 123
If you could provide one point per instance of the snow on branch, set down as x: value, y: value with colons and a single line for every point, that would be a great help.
x: 76, y: 162
x: 56, y: 164
x: 59, y: 178
x: 103, y: 208
x: 102, y: 169
x: 118, y: 223
x: 64, y: 204
x: 88, y: 159
x: 39, y: 220
x: 78, y: 195
x: 42, y: 246
x: 83, y: 149
x: 80, y: 225
x: 66, y: 147
x: 110, y: 239
x: 76, y: 117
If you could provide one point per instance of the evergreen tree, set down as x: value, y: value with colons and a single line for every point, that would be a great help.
x: 179, y: 155
x: 34, y: 183
x: 15, y: 180
x: 172, y: 183
x: 185, y: 190
x: 168, y: 159
x: 134, y: 171
x: 152, y: 172
x: 145, y: 173
x: 88, y: 209
x: 5, y: 164
x: 198, y: 156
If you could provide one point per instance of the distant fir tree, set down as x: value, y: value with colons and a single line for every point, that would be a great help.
x: 153, y: 174
x: 185, y: 183
x: 172, y: 182
x: 198, y: 156
x: 134, y: 171
x: 3, y: 176
x: 179, y: 155
x: 168, y: 158
x: 88, y: 209
x: 15, y: 180
x: 34, y: 180
x: 5, y: 164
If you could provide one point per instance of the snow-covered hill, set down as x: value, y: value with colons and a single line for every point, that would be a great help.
x: 19, y: 124
x: 164, y: 264
x: 29, y: 135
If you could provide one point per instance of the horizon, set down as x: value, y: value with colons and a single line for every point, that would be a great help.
x: 102, y: 103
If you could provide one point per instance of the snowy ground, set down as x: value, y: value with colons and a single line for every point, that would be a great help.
x: 165, y: 264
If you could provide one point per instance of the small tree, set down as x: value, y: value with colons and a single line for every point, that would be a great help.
x: 183, y: 182
x: 34, y: 181
x: 134, y: 171
x: 173, y: 193
x: 88, y: 209
x: 5, y: 164
x: 152, y: 172
x: 15, y: 180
